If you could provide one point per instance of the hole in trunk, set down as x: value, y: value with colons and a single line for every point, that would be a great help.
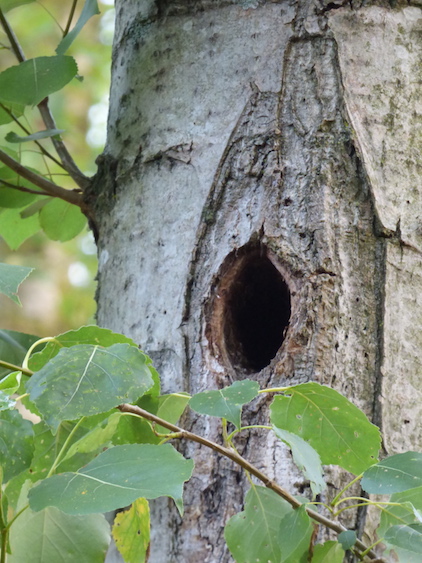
x: 252, y: 310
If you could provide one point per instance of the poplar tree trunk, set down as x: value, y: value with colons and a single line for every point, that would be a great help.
x: 258, y: 213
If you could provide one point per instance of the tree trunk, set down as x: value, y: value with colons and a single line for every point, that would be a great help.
x: 258, y: 217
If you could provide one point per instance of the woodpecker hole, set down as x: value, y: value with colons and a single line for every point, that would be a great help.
x: 251, y: 309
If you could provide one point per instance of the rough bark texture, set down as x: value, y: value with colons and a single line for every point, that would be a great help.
x: 250, y: 152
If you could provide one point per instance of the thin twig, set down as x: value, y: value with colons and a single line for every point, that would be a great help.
x: 28, y: 132
x: 338, y: 528
x: 20, y: 188
x: 16, y: 48
x: 70, y: 18
x: 72, y: 196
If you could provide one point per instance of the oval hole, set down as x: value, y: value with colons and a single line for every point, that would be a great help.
x: 256, y: 310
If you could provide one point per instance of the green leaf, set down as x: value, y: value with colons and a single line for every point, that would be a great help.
x: 33, y: 80
x: 253, y: 535
x: 61, y: 220
x: 6, y: 403
x: 14, y: 230
x: 90, y: 9
x: 12, y: 198
x: 13, y: 347
x: 295, y: 536
x: 404, y: 513
x: 35, y: 207
x: 50, y: 536
x: 408, y: 538
x: 10, y: 279
x: 100, y: 436
x: 83, y: 335
x: 328, y: 552
x: 85, y: 380
x: 226, y: 403
x: 15, y: 109
x: 10, y: 384
x: 16, y: 443
x: 7, y: 5
x: 347, y: 539
x: 306, y: 459
x: 394, y: 474
x: 332, y: 425
x: 12, y: 137
x: 131, y: 532
x: 116, y: 478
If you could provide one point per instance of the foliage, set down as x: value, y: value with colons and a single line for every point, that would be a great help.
x: 98, y: 433
x: 78, y: 461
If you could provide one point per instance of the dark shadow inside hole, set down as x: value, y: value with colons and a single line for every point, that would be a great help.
x: 257, y: 313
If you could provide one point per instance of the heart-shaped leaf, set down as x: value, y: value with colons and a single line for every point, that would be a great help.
x: 394, y: 474
x: 116, y: 478
x: 85, y: 380
x: 253, y: 535
x: 332, y: 425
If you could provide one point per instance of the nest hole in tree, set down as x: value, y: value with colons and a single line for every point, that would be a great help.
x: 254, y: 311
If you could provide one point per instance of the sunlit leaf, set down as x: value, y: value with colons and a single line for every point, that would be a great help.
x: 253, y: 535
x: 33, y: 80
x: 10, y: 383
x: 394, y: 474
x: 131, y: 532
x: 100, y: 436
x: 115, y: 478
x: 61, y: 220
x: 90, y: 9
x: 306, y: 459
x: 226, y: 403
x: 295, y: 536
x: 12, y: 137
x: 85, y: 380
x: 16, y: 443
x: 50, y: 536
x: 332, y: 425
x: 10, y: 279
x: 14, y: 230
x: 328, y: 552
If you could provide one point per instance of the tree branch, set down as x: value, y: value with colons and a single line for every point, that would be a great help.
x: 234, y: 456
x: 68, y: 163
x: 72, y: 196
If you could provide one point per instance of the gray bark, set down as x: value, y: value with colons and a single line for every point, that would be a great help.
x: 244, y: 158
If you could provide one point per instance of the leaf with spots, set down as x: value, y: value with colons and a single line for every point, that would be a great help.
x: 85, y: 380
x: 116, y: 478
x: 131, y: 532
x: 394, y: 474
x: 253, y: 535
x: 332, y: 425
x: 226, y: 403
x: 16, y: 443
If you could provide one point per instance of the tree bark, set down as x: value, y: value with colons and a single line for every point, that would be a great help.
x: 257, y: 217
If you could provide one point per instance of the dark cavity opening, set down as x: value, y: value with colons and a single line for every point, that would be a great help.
x: 257, y: 311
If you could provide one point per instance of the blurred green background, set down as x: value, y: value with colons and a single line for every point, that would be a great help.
x: 59, y: 294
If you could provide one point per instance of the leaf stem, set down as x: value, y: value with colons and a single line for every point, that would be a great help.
x: 34, y: 345
x: 334, y: 502
x: 62, y: 451
x: 234, y: 456
x: 230, y: 436
x: 12, y: 367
